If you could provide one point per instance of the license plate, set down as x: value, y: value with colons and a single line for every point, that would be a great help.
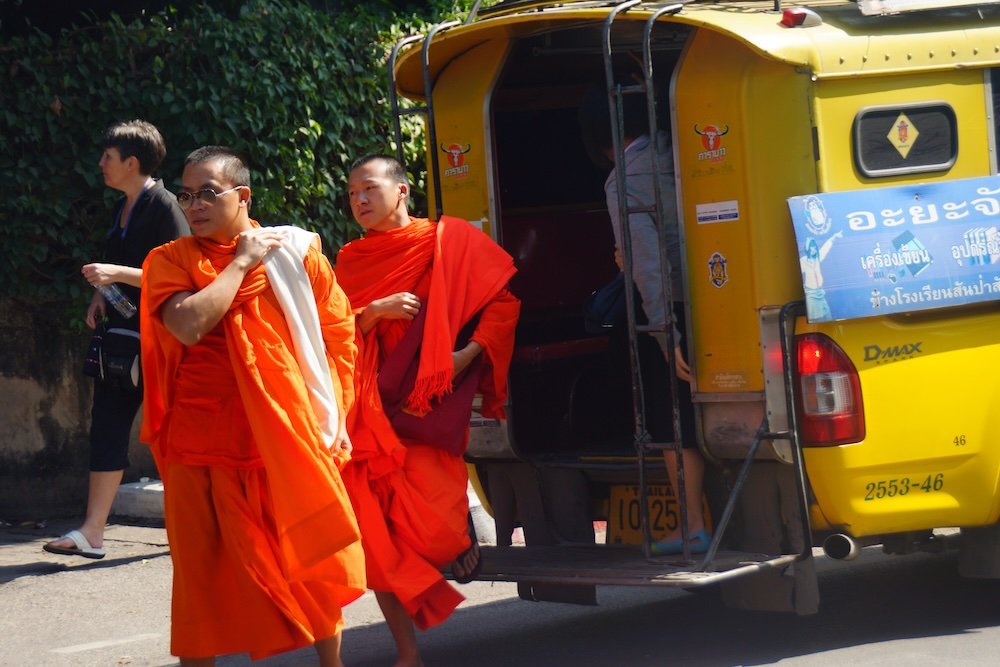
x: 624, y: 521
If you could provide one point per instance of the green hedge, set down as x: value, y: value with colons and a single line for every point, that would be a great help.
x: 301, y: 91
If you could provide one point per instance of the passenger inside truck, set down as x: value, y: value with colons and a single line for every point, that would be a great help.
x: 643, y: 170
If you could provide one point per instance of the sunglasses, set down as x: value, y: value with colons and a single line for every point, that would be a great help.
x: 208, y: 196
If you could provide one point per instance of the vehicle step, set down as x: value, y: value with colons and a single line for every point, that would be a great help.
x: 616, y: 565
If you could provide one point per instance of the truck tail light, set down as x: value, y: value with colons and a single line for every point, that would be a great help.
x: 800, y: 17
x: 830, y: 408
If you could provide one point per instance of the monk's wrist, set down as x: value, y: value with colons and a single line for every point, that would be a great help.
x: 242, y: 264
x: 368, y: 317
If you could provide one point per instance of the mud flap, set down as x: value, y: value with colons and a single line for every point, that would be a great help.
x: 568, y: 593
x: 979, y: 552
x: 551, y: 504
x: 770, y: 519
x: 516, y: 498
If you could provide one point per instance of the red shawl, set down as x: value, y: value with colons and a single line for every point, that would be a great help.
x: 468, y: 270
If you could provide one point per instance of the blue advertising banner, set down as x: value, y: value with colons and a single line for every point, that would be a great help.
x: 899, y: 249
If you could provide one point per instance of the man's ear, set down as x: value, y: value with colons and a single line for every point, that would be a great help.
x: 404, y: 189
x: 245, y: 201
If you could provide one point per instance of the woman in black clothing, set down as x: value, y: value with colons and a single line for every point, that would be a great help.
x: 146, y: 217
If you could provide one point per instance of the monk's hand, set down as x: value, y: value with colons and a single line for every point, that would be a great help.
x: 619, y: 260
x: 462, y: 358
x: 398, y: 306
x: 342, y: 445
x: 253, y: 244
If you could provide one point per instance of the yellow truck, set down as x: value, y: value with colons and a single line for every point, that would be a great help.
x: 857, y: 412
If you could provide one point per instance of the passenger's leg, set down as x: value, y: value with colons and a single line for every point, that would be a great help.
x: 694, y: 474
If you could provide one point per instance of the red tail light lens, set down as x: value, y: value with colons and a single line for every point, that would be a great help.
x: 831, y: 411
x: 800, y: 17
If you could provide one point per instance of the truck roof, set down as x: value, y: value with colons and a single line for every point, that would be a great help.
x: 846, y: 43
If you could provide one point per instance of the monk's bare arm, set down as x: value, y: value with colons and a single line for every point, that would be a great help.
x: 496, y: 320
x: 398, y: 306
x: 191, y: 315
x: 465, y: 356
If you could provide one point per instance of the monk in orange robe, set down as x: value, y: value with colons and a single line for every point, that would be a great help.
x: 409, y: 493
x: 248, y: 354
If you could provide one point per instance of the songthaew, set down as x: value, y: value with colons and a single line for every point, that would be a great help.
x: 813, y: 190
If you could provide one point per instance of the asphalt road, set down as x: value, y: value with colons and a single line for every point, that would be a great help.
x: 878, y: 610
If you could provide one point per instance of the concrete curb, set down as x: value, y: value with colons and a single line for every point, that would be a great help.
x: 141, y: 500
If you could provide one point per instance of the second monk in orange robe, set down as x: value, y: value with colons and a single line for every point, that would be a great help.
x: 248, y: 352
x: 410, y: 495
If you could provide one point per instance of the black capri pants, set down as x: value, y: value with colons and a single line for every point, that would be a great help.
x: 111, y: 418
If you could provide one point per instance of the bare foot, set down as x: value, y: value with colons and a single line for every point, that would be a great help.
x: 414, y: 661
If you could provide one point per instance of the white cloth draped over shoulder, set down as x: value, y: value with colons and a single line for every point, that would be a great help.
x: 287, y: 275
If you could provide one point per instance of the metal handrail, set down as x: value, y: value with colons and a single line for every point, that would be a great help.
x: 394, y: 97
x: 431, y: 126
x: 427, y: 108
x: 789, y: 314
x: 666, y: 284
x: 615, y: 92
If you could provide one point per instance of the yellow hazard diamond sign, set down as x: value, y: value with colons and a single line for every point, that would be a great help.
x: 903, y: 135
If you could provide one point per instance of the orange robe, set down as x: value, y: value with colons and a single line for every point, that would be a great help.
x: 265, y: 545
x: 410, y: 498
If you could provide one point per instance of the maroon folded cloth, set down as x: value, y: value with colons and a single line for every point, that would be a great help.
x: 446, y: 425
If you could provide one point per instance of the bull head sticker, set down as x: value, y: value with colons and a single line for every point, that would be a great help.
x: 711, y: 136
x: 455, y: 153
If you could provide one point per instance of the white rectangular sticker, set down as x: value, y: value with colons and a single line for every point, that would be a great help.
x: 719, y: 211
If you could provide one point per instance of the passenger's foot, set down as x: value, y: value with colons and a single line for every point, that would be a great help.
x: 698, y: 542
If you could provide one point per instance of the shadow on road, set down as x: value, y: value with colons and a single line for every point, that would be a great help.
x: 888, y: 600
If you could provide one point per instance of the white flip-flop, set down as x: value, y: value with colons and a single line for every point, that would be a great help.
x: 82, y: 547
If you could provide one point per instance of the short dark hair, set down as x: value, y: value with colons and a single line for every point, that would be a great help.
x: 394, y: 169
x: 594, y: 118
x: 138, y: 139
x: 234, y: 165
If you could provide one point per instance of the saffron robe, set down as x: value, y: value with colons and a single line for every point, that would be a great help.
x: 410, y: 497
x: 264, y: 542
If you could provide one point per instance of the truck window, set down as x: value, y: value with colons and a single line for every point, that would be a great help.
x: 905, y: 139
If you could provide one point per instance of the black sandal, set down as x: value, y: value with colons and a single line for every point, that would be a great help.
x: 473, y: 548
